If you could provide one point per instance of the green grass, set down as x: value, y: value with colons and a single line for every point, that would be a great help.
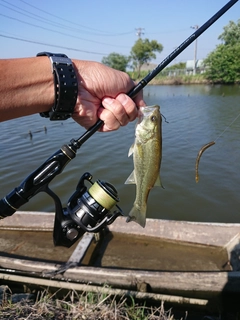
x: 162, y: 79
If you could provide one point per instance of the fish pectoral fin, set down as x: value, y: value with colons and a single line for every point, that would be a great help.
x: 131, y: 179
x: 158, y: 183
x: 131, y: 149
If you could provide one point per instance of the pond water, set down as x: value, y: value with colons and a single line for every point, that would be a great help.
x: 196, y: 115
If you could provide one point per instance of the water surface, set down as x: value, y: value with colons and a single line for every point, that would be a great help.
x: 197, y: 114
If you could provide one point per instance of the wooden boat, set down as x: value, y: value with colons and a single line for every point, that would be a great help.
x: 179, y: 262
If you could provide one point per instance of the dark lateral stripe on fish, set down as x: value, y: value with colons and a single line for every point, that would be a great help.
x: 206, y: 146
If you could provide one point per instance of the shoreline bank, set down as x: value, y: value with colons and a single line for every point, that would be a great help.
x: 178, y: 81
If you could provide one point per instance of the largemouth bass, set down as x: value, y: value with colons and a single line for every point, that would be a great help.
x: 147, y: 155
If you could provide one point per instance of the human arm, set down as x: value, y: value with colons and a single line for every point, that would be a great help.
x: 27, y: 87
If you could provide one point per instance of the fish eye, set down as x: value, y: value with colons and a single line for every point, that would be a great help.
x: 153, y: 118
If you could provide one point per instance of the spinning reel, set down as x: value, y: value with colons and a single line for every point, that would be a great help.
x: 87, y: 210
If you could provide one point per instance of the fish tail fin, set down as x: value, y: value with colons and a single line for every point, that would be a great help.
x: 138, y: 215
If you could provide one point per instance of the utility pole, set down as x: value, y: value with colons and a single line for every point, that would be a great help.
x: 139, y: 32
x: 195, y: 51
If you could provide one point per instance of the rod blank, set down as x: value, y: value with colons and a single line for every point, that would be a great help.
x: 165, y: 62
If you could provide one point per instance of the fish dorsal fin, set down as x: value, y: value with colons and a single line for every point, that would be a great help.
x: 131, y: 179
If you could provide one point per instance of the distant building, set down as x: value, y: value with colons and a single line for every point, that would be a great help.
x: 200, y: 68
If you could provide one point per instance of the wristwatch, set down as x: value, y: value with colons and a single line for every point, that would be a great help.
x: 65, y: 84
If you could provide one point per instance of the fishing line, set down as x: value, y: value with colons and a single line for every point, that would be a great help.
x: 206, y: 146
x: 214, y: 140
x: 132, y: 93
x: 227, y: 127
x: 165, y: 119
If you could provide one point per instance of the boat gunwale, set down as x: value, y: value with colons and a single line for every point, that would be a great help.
x: 225, y: 235
x: 193, y: 283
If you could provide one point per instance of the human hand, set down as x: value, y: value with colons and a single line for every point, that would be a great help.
x: 102, y: 95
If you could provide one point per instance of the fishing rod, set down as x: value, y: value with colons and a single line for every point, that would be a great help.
x: 87, y: 210
x: 170, y: 58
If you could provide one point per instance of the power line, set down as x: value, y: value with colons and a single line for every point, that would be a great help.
x: 99, y: 32
x: 51, y: 45
x: 59, y: 32
x: 33, y: 16
x: 168, y: 31
x: 53, y: 15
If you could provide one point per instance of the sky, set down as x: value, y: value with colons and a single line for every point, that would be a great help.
x: 92, y: 29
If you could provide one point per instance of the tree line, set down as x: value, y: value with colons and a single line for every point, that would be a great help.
x: 142, y: 52
x: 222, y: 65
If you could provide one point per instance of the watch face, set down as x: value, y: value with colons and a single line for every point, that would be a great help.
x: 61, y: 60
x: 49, y: 54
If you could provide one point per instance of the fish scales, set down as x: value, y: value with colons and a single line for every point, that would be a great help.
x: 147, y: 154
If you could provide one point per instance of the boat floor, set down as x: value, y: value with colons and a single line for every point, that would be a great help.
x: 119, y: 251
x: 146, y: 253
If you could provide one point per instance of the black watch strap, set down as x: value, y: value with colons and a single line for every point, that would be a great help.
x: 65, y: 84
